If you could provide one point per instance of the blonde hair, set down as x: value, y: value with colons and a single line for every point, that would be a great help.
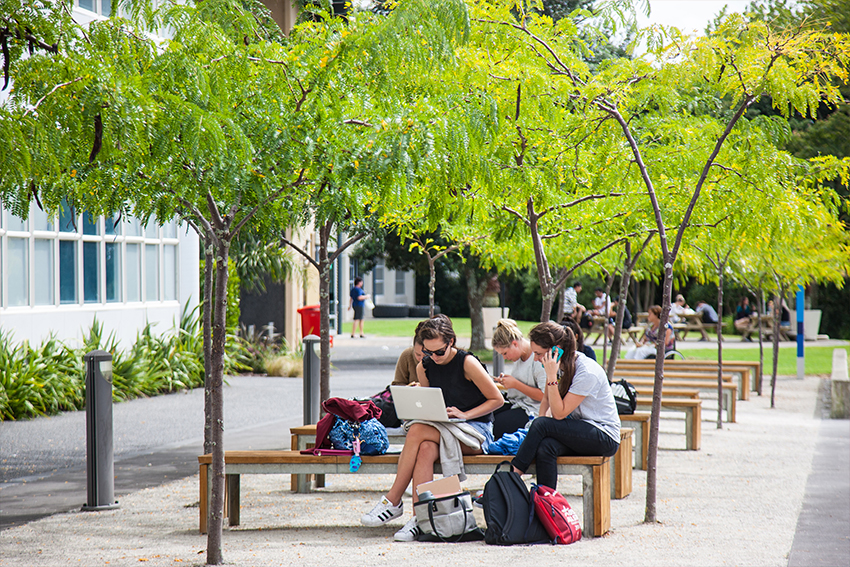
x: 505, y: 333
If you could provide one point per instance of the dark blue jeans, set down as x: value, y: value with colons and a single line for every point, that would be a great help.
x: 550, y: 438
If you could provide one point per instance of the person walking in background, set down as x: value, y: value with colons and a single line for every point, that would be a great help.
x: 357, y: 303
x: 578, y: 415
x: 524, y: 385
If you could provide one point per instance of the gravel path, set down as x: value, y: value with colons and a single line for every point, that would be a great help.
x: 734, y: 502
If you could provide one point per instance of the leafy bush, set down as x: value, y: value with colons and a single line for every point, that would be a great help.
x: 51, y: 378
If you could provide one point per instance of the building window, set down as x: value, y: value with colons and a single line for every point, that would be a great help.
x: 169, y: 269
x: 67, y: 271
x: 18, y: 269
x: 91, y: 272
x: 151, y: 272
x: 43, y: 257
x: 102, y: 7
x: 378, y: 278
x: 112, y: 267
x: 134, y: 272
x: 399, y: 283
x: 74, y: 258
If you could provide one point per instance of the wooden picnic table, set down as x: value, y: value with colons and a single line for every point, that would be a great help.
x: 693, y: 322
x: 766, y: 324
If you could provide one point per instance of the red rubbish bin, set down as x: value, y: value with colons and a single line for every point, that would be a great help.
x: 311, y: 321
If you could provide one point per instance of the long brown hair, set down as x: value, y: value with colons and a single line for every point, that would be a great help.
x: 548, y: 335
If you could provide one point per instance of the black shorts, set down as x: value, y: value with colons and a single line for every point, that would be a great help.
x: 358, y: 312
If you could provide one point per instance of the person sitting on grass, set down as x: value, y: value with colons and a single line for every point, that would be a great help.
x: 469, y: 393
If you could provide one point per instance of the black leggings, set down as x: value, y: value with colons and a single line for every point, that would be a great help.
x: 550, y: 438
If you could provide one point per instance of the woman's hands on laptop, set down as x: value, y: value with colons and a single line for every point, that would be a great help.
x: 455, y: 413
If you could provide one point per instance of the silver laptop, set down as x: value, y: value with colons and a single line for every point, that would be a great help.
x: 420, y: 403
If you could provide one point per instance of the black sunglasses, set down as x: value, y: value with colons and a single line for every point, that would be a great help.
x: 440, y: 352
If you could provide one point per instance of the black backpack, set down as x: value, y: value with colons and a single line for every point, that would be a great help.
x: 509, y: 511
x: 625, y: 396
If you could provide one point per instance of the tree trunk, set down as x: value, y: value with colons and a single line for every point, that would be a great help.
x: 216, y: 511
x: 206, y: 313
x: 625, y: 281
x: 761, y: 342
x: 324, y: 312
x: 720, y: 349
x: 652, y: 457
x: 432, y: 284
x: 475, y: 289
x: 777, y: 317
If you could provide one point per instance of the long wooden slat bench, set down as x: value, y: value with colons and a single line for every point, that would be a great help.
x: 749, y: 372
x: 742, y: 385
x: 645, y: 386
x: 304, y: 437
x: 595, y: 473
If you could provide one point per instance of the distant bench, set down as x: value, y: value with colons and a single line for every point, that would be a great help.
x: 748, y: 372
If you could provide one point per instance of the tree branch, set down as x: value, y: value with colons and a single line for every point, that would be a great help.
x: 287, y: 242
x: 53, y: 90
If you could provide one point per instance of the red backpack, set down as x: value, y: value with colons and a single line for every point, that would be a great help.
x: 554, y: 512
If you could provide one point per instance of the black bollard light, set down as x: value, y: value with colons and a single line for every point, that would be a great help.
x: 100, y: 471
x: 312, y: 393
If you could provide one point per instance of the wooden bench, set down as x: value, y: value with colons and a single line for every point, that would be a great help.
x: 304, y: 437
x: 595, y: 473
x: 645, y: 386
x: 675, y: 368
x: 693, y: 416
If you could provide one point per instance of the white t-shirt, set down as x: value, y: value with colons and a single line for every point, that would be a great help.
x: 598, y: 407
x: 531, y: 373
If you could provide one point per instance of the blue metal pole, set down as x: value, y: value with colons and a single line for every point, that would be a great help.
x: 801, y: 335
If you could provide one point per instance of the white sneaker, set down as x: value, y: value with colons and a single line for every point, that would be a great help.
x: 409, y: 532
x: 382, y: 513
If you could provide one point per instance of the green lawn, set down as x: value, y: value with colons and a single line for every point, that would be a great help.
x: 818, y: 359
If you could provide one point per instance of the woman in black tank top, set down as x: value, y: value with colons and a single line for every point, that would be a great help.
x: 470, y: 393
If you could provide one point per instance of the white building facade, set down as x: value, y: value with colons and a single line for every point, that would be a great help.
x: 59, y: 273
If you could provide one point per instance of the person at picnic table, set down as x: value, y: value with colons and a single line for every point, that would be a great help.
x: 578, y: 415
x: 572, y: 308
x: 678, y: 310
x: 784, y: 317
x: 744, y: 318
x: 601, y: 303
x: 470, y: 394
x: 581, y: 346
x: 408, y: 360
x: 523, y: 386
x: 646, y: 346
x: 709, y: 315
x: 612, y: 319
